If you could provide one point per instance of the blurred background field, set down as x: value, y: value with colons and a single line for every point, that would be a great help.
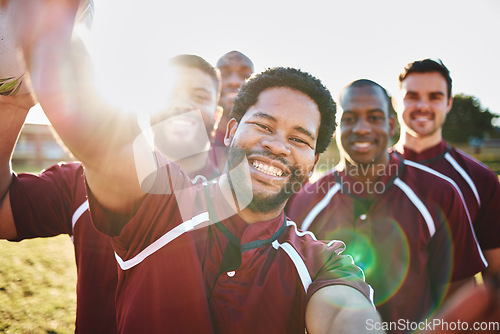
x: 37, y: 286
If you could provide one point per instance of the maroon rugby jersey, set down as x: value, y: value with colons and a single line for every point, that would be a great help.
x: 400, y: 238
x: 55, y: 202
x: 184, y: 271
x: 479, y: 185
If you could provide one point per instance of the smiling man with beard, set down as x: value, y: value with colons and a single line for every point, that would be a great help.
x: 256, y: 271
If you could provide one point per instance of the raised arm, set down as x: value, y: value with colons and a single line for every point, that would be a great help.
x: 97, y: 134
x: 13, y: 111
x: 341, y: 309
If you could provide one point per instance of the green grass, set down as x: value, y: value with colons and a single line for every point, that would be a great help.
x: 37, y: 286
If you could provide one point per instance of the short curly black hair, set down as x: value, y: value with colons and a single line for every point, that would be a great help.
x: 294, y: 79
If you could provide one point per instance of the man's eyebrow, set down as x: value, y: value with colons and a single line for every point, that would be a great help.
x: 300, y: 129
x: 202, y: 88
x: 264, y: 115
x: 376, y: 110
x: 305, y: 132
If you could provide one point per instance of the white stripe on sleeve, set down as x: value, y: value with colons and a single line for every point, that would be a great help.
x: 297, y: 261
x: 319, y: 207
x: 162, y: 241
x: 418, y: 204
x: 77, y: 214
x: 464, y: 174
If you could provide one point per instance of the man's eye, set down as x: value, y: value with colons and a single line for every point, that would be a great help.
x: 298, y: 140
x: 347, y: 120
x: 262, y: 126
x: 376, y: 118
x: 200, y: 97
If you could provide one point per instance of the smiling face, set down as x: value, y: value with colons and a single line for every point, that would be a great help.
x: 234, y: 68
x: 277, y: 136
x: 177, y: 127
x: 424, y: 105
x: 365, y: 126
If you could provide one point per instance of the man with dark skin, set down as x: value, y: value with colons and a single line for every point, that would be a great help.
x: 391, y: 220
x: 235, y: 68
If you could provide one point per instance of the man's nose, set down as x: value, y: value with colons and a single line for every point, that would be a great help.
x: 277, y: 144
x: 362, y: 126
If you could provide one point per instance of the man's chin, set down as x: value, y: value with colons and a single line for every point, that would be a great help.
x: 264, y: 204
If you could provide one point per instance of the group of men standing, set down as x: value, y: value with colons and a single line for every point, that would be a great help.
x: 158, y: 249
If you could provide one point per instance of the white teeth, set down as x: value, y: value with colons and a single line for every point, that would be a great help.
x: 181, y: 122
x: 266, y: 169
x: 362, y: 144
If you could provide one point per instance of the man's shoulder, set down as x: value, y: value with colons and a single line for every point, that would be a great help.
x: 427, y: 181
x: 306, y: 243
x: 469, y: 163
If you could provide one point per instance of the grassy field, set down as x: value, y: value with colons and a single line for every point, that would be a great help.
x: 37, y: 286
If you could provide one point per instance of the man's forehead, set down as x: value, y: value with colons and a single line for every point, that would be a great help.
x: 234, y: 60
x: 427, y: 81
x: 273, y: 97
x: 194, y: 77
x: 353, y: 95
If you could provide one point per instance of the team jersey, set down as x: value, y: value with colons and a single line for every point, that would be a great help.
x: 479, y: 185
x: 55, y: 202
x: 402, y: 237
x: 187, y: 267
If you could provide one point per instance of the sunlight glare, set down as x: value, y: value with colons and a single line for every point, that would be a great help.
x: 129, y: 50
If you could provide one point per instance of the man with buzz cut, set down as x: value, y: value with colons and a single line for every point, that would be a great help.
x: 235, y: 67
x: 399, y: 230
x: 55, y: 201
x: 424, y: 100
x: 212, y: 257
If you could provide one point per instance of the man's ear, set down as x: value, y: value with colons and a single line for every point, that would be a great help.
x: 232, y: 125
x: 316, y: 159
x: 394, y: 101
x: 392, y: 126
x: 450, y: 104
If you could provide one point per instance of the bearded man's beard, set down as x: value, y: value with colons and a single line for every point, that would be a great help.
x: 261, y: 202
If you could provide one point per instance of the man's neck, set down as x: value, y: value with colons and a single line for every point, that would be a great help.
x: 365, y: 173
x: 251, y: 217
x: 193, y: 163
x: 418, y: 144
x: 239, y: 201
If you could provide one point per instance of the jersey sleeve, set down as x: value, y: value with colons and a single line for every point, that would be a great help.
x: 159, y: 212
x: 338, y: 269
x: 454, y: 239
x: 487, y: 223
x: 43, y: 205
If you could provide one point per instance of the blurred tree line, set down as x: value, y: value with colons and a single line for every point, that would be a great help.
x: 467, y: 119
